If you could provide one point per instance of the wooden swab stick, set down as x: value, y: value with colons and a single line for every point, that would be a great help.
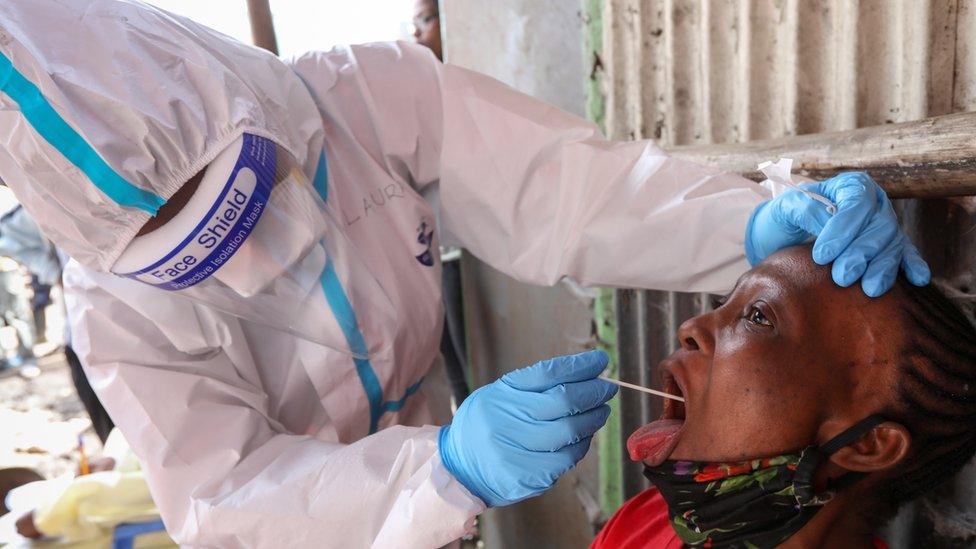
x: 643, y: 389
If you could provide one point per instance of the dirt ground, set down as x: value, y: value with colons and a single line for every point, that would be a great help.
x: 41, y: 418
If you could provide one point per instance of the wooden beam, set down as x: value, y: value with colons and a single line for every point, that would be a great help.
x: 930, y: 158
x: 262, y: 26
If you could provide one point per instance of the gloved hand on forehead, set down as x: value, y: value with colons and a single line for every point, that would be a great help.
x: 862, y: 239
x: 514, y: 438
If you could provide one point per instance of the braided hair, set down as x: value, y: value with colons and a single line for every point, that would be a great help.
x: 936, y: 393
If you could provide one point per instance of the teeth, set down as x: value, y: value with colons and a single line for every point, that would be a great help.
x: 673, y: 410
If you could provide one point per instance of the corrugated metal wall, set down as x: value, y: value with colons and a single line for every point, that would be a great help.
x: 711, y: 71
x: 698, y: 71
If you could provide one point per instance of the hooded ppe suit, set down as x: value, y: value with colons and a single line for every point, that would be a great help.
x: 252, y: 437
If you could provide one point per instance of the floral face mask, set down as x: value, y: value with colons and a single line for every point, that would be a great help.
x: 751, y: 504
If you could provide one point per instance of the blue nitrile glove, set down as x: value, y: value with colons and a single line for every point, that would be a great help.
x: 862, y: 239
x: 512, y: 439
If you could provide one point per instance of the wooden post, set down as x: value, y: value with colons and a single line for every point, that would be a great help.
x: 262, y: 26
x: 935, y: 157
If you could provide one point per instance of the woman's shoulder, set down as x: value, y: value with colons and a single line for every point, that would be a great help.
x: 641, y: 522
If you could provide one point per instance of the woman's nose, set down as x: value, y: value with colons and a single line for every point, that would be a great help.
x: 695, y: 334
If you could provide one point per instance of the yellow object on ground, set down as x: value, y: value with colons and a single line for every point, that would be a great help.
x: 83, y: 512
x: 92, y: 505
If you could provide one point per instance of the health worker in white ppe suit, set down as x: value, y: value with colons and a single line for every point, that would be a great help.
x: 255, y: 284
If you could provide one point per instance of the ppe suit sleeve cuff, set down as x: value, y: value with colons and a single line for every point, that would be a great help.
x: 433, y: 497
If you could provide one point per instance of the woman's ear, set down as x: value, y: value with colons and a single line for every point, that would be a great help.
x: 879, y: 449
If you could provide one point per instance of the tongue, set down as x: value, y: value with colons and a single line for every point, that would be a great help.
x: 654, y: 442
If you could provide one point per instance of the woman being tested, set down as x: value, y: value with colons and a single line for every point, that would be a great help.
x: 255, y: 288
x: 811, y: 414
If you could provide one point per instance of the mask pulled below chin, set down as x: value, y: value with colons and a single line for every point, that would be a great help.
x: 751, y: 504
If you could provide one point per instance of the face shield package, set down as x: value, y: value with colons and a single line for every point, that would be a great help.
x: 256, y: 241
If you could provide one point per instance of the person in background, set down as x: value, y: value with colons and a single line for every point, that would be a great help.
x: 427, y: 26
x: 22, y: 241
x: 39, y: 302
x: 15, y: 313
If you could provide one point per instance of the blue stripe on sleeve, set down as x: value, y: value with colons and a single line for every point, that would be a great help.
x: 55, y: 130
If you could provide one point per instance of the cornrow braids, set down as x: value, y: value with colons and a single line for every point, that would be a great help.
x: 937, y: 394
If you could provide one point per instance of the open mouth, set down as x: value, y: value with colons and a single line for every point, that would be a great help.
x: 673, y: 409
x: 654, y: 442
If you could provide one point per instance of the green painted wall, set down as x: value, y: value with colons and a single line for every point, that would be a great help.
x: 610, y: 439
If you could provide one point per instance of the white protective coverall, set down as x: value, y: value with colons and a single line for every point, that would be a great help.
x: 254, y: 438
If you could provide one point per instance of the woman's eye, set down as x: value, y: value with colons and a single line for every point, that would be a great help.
x: 757, y: 317
x: 718, y: 300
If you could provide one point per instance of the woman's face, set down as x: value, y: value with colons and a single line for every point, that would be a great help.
x: 790, y: 359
